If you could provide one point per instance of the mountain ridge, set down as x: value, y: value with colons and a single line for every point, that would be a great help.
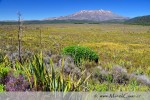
x: 140, y: 20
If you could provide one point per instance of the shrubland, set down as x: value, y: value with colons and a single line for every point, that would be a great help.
x: 123, y: 53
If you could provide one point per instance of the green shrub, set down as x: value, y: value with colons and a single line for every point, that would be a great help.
x: 99, y: 87
x: 3, y: 73
x: 1, y: 88
x: 78, y: 53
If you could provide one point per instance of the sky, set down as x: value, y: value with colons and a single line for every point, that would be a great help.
x: 40, y: 9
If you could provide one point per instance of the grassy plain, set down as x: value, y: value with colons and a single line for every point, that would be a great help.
x: 116, y: 44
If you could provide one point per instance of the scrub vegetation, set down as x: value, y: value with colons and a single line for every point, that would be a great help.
x: 75, y: 57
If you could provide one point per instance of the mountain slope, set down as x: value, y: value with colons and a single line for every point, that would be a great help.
x: 92, y: 15
x: 142, y: 20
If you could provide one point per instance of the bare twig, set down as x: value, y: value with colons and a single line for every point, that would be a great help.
x: 19, y: 36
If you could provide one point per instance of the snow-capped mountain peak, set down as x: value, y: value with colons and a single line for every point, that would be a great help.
x: 92, y: 15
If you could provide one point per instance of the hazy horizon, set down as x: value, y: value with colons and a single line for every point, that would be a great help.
x: 40, y: 9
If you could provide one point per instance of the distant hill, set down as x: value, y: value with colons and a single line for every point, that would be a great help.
x: 142, y: 20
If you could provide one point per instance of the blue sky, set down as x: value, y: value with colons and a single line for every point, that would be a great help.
x: 39, y: 9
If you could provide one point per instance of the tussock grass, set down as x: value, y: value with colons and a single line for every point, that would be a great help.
x: 124, y: 45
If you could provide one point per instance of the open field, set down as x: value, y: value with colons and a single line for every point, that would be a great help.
x: 125, y: 45
x: 116, y: 44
